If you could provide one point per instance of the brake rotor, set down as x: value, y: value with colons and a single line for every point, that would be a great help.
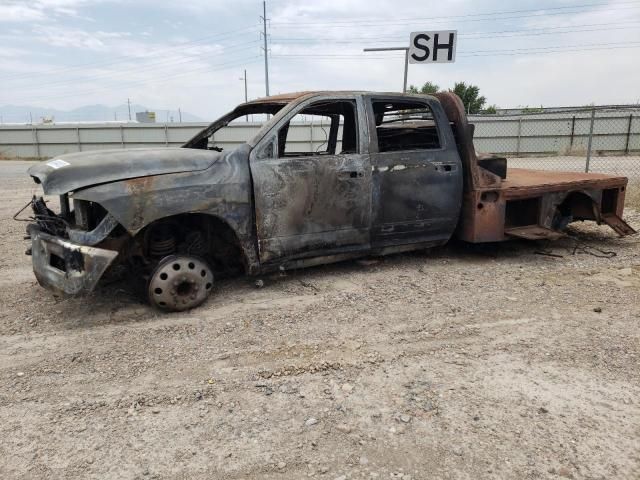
x: 180, y: 282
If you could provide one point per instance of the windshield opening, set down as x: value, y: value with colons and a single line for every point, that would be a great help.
x: 235, y: 128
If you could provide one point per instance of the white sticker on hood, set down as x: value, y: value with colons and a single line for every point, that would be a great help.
x: 58, y: 164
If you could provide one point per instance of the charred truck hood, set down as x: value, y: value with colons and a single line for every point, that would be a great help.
x: 75, y: 171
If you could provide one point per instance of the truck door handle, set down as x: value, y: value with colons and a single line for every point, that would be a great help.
x: 348, y: 174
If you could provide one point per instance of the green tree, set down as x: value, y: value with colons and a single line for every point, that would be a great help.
x: 470, y: 95
x: 491, y: 109
x: 429, y: 88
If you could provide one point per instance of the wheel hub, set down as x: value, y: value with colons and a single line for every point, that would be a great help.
x: 180, y: 282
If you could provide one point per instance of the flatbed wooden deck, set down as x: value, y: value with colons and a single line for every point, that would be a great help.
x: 523, y: 182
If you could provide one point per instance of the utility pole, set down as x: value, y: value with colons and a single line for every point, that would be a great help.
x: 246, y: 98
x: 30, y: 118
x: 129, y: 106
x: 180, y: 114
x: 266, y: 53
x: 406, y: 60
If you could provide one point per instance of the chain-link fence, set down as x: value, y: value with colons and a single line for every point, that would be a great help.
x: 594, y: 139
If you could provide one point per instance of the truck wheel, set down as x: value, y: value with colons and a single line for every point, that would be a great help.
x: 180, y: 282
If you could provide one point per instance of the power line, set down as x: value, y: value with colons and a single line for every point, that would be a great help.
x: 550, y: 48
x: 223, y: 66
x: 439, y: 19
x: 146, y: 68
x: 487, y: 34
x: 496, y: 50
x: 529, y: 52
x: 359, y: 41
x: 477, y: 53
x: 382, y: 23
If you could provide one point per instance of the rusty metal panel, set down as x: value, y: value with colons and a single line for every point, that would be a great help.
x: 310, y: 204
x: 482, y: 218
x: 523, y: 182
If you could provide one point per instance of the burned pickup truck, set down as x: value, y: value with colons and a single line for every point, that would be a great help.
x: 393, y: 173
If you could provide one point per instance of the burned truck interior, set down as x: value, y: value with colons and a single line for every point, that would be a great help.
x: 337, y: 121
x: 403, y: 125
x: 205, y: 140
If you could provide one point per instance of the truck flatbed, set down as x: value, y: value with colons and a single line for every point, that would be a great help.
x: 521, y: 181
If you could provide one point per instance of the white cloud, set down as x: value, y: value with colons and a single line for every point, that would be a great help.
x: 139, y: 57
x: 43, y: 10
x: 20, y: 13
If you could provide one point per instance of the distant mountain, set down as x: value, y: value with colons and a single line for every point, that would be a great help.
x: 88, y: 113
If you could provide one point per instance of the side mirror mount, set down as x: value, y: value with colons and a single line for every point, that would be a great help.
x: 267, y: 149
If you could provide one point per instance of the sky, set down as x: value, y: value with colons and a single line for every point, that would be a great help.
x: 191, y: 55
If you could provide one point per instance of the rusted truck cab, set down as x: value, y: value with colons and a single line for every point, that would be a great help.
x: 391, y: 173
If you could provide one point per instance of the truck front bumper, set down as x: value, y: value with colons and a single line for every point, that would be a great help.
x: 66, y: 267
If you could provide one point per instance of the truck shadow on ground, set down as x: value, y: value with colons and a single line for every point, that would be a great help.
x: 122, y: 302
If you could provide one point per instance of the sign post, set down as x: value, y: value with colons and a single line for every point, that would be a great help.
x: 406, y: 60
x: 425, y: 47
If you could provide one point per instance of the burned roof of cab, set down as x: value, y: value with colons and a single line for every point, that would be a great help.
x: 284, y: 98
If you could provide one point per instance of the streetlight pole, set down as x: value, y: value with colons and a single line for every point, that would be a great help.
x: 406, y: 60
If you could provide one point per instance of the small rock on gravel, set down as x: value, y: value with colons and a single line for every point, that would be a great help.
x: 343, y: 428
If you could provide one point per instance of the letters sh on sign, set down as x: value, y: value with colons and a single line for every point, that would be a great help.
x: 433, y: 47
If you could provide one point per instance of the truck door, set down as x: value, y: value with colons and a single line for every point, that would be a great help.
x: 312, y: 188
x: 417, y: 174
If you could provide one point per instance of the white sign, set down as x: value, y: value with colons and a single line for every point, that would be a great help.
x: 56, y: 164
x: 433, y: 47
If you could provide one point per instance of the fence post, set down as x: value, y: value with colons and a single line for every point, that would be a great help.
x: 122, y: 135
x: 593, y: 117
x: 166, y: 135
x: 36, y: 144
x: 626, y: 146
x: 78, y: 139
x: 519, y: 135
x: 573, y: 131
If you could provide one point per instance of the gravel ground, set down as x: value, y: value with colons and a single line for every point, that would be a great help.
x: 463, y: 362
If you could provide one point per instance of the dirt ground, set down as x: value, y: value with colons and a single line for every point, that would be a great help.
x: 459, y: 363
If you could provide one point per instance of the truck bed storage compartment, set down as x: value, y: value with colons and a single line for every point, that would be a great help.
x: 609, y: 200
x: 520, y: 213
